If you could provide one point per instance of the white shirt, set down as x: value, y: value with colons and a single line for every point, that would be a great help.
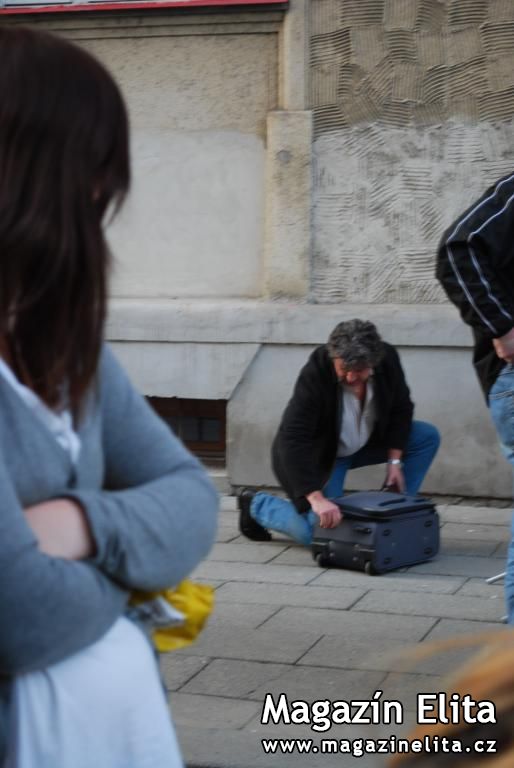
x: 357, y: 421
x: 60, y: 424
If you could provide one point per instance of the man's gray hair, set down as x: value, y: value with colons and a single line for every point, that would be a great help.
x: 357, y: 342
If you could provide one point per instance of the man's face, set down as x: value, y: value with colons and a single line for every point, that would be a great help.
x: 351, y: 376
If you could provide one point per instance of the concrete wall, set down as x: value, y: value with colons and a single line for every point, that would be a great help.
x: 193, y: 225
x: 250, y: 353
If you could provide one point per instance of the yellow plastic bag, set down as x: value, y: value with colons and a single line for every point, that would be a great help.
x: 195, y: 601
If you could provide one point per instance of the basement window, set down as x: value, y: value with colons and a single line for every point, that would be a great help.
x: 200, y: 424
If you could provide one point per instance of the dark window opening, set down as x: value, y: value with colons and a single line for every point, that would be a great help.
x: 200, y: 424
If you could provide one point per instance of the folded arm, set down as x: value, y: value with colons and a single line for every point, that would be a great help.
x: 50, y: 608
x: 156, y: 518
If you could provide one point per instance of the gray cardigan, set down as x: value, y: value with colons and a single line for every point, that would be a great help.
x: 150, y: 505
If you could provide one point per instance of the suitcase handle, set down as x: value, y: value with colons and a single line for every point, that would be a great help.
x: 392, y: 501
x: 401, y: 500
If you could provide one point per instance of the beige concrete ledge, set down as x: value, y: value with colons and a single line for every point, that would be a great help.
x: 277, y: 322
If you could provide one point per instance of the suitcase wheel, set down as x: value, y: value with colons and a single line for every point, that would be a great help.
x: 368, y: 568
x: 323, y: 560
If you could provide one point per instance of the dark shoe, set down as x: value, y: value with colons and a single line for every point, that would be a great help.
x: 247, y: 525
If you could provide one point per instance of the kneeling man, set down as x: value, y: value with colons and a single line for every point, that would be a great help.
x: 350, y: 408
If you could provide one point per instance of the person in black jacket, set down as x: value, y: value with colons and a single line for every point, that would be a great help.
x: 350, y: 408
x: 475, y: 266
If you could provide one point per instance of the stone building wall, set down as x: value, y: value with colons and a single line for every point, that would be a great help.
x: 294, y: 169
x: 413, y: 104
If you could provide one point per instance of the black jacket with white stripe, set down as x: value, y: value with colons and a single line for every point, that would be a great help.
x: 475, y: 266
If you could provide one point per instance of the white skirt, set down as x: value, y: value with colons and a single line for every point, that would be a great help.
x: 104, y: 707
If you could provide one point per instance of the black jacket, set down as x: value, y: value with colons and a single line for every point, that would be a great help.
x: 475, y: 266
x: 305, y: 447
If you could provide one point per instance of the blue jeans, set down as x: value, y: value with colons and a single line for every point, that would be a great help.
x: 501, y: 404
x: 282, y: 516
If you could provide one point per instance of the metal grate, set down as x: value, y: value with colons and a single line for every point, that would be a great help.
x: 200, y: 424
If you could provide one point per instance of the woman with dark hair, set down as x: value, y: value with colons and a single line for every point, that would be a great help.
x: 98, y: 497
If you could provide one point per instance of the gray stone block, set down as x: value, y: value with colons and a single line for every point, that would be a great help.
x: 282, y: 645
x: 254, y: 572
x: 405, y: 686
x: 315, y: 683
x: 296, y: 556
x: 455, y: 565
x: 240, y: 614
x: 446, y: 662
x: 480, y: 588
x: 244, y: 553
x: 502, y: 549
x: 351, y: 624
x: 233, y: 678
x: 475, y: 532
x: 467, y: 547
x: 229, y: 504
x: 439, y: 606
x: 177, y: 670
x: 243, y: 749
x: 408, y: 581
x: 211, y: 711
x: 226, y: 533
x: 460, y: 628
x: 288, y: 595
x: 459, y: 513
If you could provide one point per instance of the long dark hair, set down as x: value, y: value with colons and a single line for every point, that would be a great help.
x: 64, y: 160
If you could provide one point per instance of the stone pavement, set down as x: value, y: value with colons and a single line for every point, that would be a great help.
x: 283, y: 625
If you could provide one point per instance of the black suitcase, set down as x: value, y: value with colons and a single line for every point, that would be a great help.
x: 380, y: 531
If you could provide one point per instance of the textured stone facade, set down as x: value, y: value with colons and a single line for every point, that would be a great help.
x: 413, y: 103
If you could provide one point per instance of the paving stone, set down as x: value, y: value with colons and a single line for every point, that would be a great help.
x: 228, y: 504
x: 479, y: 515
x: 440, y: 606
x: 211, y: 582
x: 473, y: 531
x: 409, y: 581
x: 284, y: 594
x: 352, y: 626
x: 316, y: 683
x: 467, y: 547
x: 369, y: 641
x: 453, y: 565
x: 226, y: 533
x: 255, y: 572
x: 177, y: 670
x: 480, y: 588
x: 446, y: 662
x: 211, y: 711
x: 243, y: 749
x: 348, y: 731
x: 320, y: 639
x: 296, y: 556
x: 240, y: 614
x: 406, y: 687
x: 279, y: 540
x: 449, y: 628
x: 502, y: 549
x: 248, y: 553
x: 233, y: 678
x: 233, y: 642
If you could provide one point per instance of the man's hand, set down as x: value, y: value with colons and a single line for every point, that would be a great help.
x: 329, y: 513
x: 395, y: 477
x: 61, y: 528
x: 504, y: 346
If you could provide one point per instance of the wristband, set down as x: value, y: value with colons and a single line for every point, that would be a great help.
x: 395, y: 462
